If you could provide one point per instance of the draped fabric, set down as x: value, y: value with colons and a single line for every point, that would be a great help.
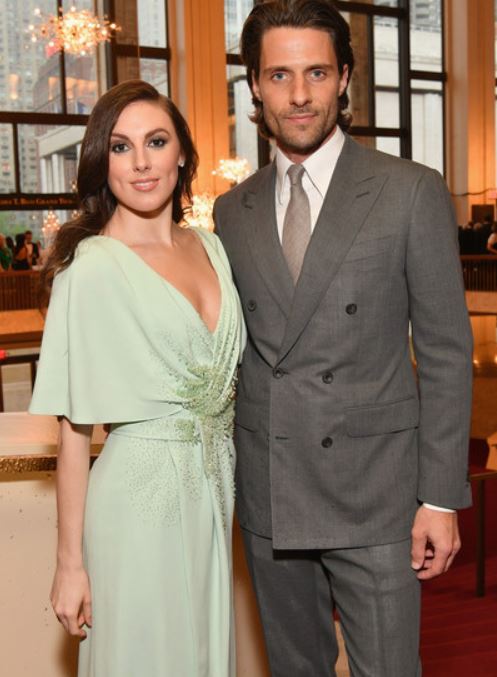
x: 123, y: 346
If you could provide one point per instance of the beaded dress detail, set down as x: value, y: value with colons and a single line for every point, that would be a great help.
x: 123, y: 346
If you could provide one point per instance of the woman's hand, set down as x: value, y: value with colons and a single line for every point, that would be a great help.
x: 71, y: 599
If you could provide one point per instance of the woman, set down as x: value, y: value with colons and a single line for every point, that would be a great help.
x: 5, y: 254
x: 492, y: 240
x: 20, y: 260
x: 144, y: 332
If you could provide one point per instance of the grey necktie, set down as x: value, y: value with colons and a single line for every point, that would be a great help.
x: 297, y: 223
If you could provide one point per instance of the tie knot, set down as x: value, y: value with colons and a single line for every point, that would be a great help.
x: 295, y: 174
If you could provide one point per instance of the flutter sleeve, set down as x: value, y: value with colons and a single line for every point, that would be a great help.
x: 93, y: 364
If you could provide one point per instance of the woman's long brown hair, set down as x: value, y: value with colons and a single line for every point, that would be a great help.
x: 95, y: 199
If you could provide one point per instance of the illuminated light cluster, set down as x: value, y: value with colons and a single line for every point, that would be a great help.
x: 201, y: 212
x: 50, y: 228
x: 75, y: 32
x: 234, y: 170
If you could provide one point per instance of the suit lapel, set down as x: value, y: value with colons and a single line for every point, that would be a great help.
x: 353, y: 191
x: 262, y: 235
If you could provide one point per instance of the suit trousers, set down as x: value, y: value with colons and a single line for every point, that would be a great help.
x: 374, y: 590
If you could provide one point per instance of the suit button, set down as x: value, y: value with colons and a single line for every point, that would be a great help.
x: 251, y: 305
x: 327, y: 442
x: 278, y: 373
x: 351, y: 309
x: 327, y: 377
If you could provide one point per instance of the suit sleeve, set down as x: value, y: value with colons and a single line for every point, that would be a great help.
x: 442, y: 341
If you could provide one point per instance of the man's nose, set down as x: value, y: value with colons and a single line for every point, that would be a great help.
x: 300, y: 93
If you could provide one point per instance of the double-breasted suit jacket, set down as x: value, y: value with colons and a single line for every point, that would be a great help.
x: 338, y: 439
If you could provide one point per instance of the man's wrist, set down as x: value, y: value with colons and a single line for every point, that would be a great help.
x: 437, y: 508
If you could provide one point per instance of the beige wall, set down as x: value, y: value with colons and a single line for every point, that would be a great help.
x: 470, y: 122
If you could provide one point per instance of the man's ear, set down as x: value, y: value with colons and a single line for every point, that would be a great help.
x: 255, y: 87
x: 344, y: 79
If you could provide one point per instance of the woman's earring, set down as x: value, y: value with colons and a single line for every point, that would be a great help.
x: 181, y: 163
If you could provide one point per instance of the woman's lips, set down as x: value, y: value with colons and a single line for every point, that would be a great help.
x: 145, y: 185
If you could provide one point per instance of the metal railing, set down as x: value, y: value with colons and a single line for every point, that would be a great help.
x: 480, y: 272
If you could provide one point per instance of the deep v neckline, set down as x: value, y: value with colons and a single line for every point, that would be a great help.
x: 175, y: 289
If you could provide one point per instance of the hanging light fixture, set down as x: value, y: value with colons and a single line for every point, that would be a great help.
x: 50, y: 228
x: 75, y: 32
x: 234, y: 170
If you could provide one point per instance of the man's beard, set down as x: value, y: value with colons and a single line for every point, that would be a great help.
x: 301, y: 143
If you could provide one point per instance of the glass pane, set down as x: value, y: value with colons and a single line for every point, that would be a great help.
x: 12, y: 223
x: 29, y: 71
x: 152, y: 23
x: 359, y: 90
x: 81, y: 83
x: 235, y: 13
x: 386, y: 64
x: 154, y: 71
x: 387, y: 144
x: 427, y: 123
x: 426, y: 35
x: 7, y: 175
x: 386, y: 52
x: 243, y: 132
x: 387, y: 108
x: 49, y: 157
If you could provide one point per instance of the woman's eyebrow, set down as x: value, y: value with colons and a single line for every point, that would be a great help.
x: 147, y: 135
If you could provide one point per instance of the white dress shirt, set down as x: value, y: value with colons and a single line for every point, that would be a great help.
x: 319, y: 168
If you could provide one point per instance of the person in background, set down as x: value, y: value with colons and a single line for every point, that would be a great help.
x: 492, y: 240
x: 5, y: 254
x: 349, y: 468
x: 10, y: 244
x: 21, y: 259
x: 33, y: 249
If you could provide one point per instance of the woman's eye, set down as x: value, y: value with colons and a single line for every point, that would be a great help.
x: 158, y: 142
x: 118, y: 147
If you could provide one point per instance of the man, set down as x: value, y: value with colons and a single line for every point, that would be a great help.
x: 349, y: 467
x: 32, y: 247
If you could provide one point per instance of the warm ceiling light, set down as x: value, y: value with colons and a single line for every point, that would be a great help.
x: 74, y: 32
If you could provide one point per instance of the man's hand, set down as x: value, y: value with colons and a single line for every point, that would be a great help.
x: 435, y: 542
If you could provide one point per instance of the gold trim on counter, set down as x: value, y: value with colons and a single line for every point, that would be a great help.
x: 31, y: 463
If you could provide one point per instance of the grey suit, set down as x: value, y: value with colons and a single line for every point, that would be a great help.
x: 337, y: 441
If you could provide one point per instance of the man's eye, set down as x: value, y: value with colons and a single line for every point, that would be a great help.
x: 118, y: 147
x: 317, y: 74
x: 278, y: 76
x: 157, y: 142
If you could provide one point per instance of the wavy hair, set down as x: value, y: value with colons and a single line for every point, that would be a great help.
x: 96, y: 202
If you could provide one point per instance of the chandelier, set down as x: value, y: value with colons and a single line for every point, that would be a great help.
x: 234, y: 170
x: 50, y: 228
x: 74, y: 32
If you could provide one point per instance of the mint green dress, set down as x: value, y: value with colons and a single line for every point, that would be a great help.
x: 123, y: 346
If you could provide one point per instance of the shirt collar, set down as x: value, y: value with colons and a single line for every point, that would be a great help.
x: 319, y: 166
